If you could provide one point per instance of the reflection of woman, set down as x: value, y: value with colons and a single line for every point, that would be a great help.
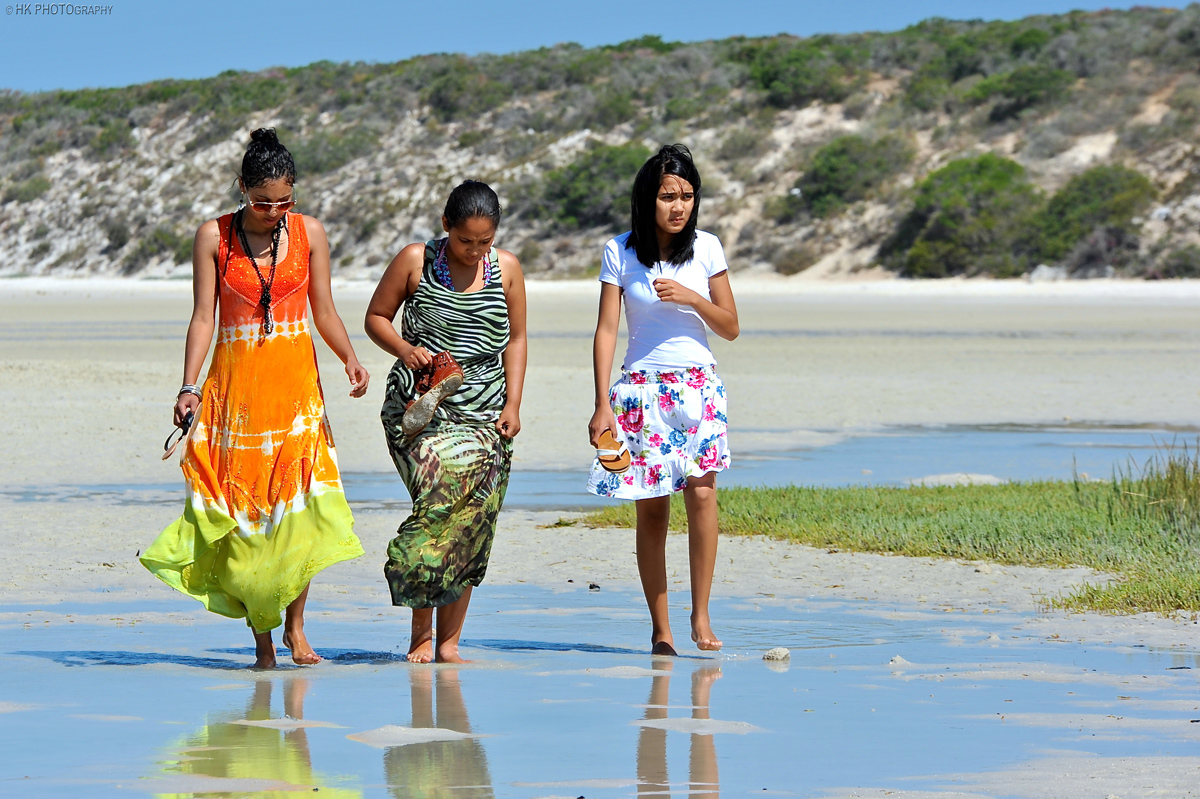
x: 265, y: 509
x: 464, y: 296
x: 448, y: 769
x: 225, y: 749
x: 668, y: 408
x: 703, y: 777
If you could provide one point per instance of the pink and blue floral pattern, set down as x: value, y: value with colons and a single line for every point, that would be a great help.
x: 676, y: 427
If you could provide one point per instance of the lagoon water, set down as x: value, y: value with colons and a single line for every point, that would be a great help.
x: 890, y: 456
x: 563, y: 701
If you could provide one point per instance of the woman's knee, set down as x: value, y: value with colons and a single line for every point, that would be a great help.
x: 702, y: 488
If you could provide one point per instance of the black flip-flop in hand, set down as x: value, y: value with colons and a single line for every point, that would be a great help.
x: 178, y: 434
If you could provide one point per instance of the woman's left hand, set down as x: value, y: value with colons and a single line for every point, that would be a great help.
x: 359, y: 377
x: 673, y: 291
x: 509, y: 423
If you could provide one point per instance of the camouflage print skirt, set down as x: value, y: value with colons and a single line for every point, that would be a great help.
x: 456, y: 475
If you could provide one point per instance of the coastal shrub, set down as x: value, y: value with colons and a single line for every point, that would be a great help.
x: 162, y: 241
x: 1183, y: 262
x: 794, y: 73
x: 117, y: 233
x: 972, y: 216
x: 744, y: 142
x: 594, y: 189
x: 464, y: 90
x: 1022, y: 88
x: 847, y: 170
x: 27, y: 190
x: 114, y: 136
x: 795, y: 260
x: 326, y: 150
x: 1105, y: 197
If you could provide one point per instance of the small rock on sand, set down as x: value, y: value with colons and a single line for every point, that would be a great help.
x: 778, y: 653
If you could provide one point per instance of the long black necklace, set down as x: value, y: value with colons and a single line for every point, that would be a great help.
x: 265, y: 297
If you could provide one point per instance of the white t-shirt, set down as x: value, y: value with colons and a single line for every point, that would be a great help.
x: 663, y: 335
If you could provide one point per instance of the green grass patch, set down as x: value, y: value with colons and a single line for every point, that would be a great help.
x: 1143, y: 525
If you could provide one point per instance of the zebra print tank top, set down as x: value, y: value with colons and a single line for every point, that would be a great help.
x: 473, y: 327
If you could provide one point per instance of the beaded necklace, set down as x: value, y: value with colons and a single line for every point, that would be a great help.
x: 441, y: 268
x: 264, y: 298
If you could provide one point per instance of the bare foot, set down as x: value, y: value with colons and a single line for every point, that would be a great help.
x: 703, y: 635
x: 302, y: 653
x: 448, y: 653
x: 420, y: 651
x: 264, y: 652
x: 664, y: 649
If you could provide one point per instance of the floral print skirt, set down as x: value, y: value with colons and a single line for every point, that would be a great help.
x: 675, y: 426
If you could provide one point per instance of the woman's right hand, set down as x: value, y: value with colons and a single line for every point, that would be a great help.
x: 187, y: 403
x: 603, y: 419
x: 417, y: 357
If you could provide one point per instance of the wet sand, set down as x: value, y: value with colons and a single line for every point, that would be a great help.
x: 88, y: 372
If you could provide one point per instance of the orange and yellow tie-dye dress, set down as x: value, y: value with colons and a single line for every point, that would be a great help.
x: 265, y: 509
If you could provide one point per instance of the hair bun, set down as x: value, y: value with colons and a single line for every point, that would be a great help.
x: 264, y: 136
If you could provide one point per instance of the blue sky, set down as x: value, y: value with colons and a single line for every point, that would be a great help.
x: 141, y: 41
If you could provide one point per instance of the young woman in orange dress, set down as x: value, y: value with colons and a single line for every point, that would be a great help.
x: 265, y: 509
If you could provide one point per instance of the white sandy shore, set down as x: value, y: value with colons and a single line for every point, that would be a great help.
x: 88, y: 370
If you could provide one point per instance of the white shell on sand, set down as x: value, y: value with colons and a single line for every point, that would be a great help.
x: 394, y: 735
x: 778, y: 653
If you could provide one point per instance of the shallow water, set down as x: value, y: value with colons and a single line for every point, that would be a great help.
x: 562, y: 701
x: 892, y: 456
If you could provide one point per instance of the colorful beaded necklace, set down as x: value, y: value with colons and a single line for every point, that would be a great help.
x: 441, y: 268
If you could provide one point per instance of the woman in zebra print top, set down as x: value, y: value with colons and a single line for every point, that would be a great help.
x: 464, y: 296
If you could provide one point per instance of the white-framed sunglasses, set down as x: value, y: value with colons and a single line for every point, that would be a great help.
x: 263, y: 207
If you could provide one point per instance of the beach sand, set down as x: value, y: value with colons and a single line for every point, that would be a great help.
x: 88, y: 372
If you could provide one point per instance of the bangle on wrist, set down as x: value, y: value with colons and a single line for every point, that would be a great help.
x: 189, y: 388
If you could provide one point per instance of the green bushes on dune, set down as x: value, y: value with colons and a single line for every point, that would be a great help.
x: 594, y: 189
x: 972, y: 216
x: 981, y: 215
x: 846, y: 170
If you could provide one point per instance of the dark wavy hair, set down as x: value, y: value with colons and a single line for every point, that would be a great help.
x: 470, y: 199
x: 672, y: 159
x: 266, y: 159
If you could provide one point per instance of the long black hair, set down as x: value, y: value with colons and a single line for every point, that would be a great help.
x: 672, y: 159
x: 470, y: 199
x: 266, y: 159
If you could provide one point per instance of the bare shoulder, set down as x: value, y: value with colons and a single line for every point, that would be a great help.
x: 208, y: 237
x: 313, y: 226
x: 209, y: 230
x: 509, y: 265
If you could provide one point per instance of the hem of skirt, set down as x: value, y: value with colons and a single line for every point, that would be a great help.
x: 670, y: 489
x: 432, y: 605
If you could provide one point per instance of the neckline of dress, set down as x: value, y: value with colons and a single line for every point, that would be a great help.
x: 289, y: 227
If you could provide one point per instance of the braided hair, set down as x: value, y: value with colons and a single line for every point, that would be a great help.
x: 267, y: 159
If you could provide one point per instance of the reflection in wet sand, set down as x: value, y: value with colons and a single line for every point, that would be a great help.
x: 456, y: 769
x: 228, y: 756
x: 703, y: 778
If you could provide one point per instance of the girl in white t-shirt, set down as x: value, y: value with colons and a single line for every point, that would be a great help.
x: 668, y: 408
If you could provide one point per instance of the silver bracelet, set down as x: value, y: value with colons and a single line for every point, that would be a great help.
x: 188, y: 388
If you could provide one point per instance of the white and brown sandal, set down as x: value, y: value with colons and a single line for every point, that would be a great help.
x: 612, y: 454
